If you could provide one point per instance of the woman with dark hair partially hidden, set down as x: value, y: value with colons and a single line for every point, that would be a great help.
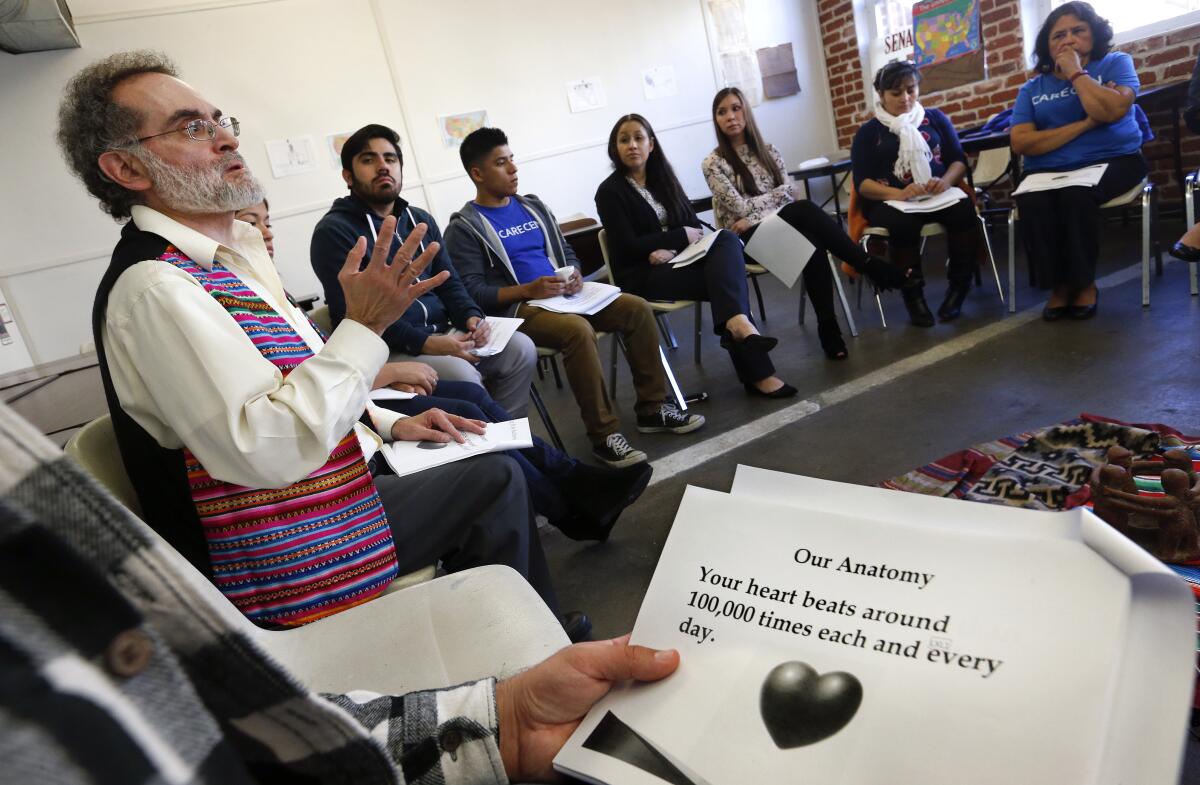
x: 649, y: 220
x: 1076, y: 112
x: 903, y: 153
x: 749, y: 182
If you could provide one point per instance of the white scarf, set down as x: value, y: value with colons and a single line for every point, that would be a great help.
x: 914, y: 154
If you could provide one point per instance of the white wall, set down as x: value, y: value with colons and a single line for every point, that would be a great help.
x: 296, y: 67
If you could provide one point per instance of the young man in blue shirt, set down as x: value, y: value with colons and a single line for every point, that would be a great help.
x: 373, y: 168
x: 506, y: 249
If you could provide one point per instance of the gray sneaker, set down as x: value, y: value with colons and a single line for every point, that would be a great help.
x: 617, y: 452
x: 668, y: 419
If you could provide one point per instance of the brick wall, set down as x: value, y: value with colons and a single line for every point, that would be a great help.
x: 1160, y: 59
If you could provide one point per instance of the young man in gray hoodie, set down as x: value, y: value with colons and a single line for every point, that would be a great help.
x: 506, y: 248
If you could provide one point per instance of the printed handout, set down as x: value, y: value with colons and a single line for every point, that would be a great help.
x: 847, y: 635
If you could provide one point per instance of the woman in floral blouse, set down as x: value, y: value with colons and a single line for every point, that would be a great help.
x: 749, y: 181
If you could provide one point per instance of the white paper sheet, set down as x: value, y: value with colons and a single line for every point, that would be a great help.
x: 780, y: 248
x: 388, y: 394
x: 695, y: 251
x: 591, y: 299
x: 503, y: 328
x: 584, y: 95
x: 989, y: 644
x: 1049, y: 181
x: 411, y: 457
x: 928, y: 204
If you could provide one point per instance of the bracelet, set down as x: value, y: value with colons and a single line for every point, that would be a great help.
x: 1076, y: 75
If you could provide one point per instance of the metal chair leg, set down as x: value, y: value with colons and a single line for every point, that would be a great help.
x: 1012, y: 260
x: 991, y: 258
x: 680, y: 398
x: 535, y: 397
x: 762, y: 309
x: 664, y: 329
x: 841, y: 293
x: 554, y: 367
x: 1189, y: 199
x: 1147, y: 192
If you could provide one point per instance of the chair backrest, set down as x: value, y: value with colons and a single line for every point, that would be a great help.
x: 320, y: 316
x: 94, y: 447
x: 602, y: 237
x: 991, y: 166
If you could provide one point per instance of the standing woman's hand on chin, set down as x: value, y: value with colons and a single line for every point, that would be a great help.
x: 1067, y: 62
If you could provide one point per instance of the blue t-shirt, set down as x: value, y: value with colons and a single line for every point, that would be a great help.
x: 1050, y: 102
x: 523, y: 239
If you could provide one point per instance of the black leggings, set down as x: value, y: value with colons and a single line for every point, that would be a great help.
x: 824, y: 232
x: 1062, y: 227
x: 719, y: 278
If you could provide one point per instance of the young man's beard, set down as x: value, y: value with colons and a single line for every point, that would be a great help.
x: 372, y: 196
x: 202, y: 189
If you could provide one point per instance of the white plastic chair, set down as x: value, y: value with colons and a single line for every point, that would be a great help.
x: 930, y: 230
x: 660, y: 307
x: 1143, y: 191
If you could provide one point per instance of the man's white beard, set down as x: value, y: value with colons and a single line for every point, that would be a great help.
x: 202, y: 189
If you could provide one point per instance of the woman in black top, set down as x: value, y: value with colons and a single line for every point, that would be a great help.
x: 904, y: 152
x: 648, y: 220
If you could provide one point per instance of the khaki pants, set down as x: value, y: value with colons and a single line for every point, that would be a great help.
x: 575, y: 337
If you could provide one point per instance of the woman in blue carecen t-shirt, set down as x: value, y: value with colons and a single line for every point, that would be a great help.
x: 1076, y: 112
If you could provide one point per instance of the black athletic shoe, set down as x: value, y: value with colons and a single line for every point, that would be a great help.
x: 668, y: 419
x: 596, y: 497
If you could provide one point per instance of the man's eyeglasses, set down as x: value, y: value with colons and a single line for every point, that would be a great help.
x: 200, y: 130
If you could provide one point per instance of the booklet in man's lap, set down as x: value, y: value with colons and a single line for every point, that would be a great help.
x: 846, y: 635
x: 411, y: 457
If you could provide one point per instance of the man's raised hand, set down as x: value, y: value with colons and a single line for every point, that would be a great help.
x: 380, y: 293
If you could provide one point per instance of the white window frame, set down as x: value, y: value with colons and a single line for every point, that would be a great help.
x: 868, y: 34
x: 1040, y: 9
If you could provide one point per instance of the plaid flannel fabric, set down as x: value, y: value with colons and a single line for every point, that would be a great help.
x: 117, y: 665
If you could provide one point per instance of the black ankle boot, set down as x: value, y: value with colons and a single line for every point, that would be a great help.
x: 918, y: 310
x: 832, y: 342
x: 951, y: 307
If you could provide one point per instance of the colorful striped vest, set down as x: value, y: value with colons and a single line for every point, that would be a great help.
x: 291, y: 555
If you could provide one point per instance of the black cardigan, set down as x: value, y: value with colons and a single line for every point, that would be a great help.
x: 633, y: 229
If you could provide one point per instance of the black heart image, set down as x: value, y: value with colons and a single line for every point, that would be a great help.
x: 800, y: 707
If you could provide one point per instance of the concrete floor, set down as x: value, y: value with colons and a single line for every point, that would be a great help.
x: 906, y: 396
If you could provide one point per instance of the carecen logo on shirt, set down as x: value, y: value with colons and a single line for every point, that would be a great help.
x: 512, y: 231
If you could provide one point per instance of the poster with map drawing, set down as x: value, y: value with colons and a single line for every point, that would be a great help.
x: 947, y: 43
x: 456, y: 127
x: 944, y: 29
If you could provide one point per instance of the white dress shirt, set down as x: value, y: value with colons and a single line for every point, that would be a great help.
x: 186, y: 372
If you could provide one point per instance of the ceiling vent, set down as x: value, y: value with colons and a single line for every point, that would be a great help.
x: 36, y: 26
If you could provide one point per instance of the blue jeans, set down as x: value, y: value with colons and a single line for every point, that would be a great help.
x: 541, y: 464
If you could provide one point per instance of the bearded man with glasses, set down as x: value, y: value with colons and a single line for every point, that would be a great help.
x: 250, y: 441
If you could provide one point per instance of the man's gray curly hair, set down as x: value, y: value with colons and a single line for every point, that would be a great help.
x: 91, y: 123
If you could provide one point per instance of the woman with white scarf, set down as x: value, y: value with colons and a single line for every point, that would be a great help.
x: 906, y: 152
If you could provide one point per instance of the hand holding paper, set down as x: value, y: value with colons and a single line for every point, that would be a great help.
x: 541, y: 707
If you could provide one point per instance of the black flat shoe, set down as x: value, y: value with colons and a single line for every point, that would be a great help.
x: 1185, y: 252
x: 832, y: 343
x: 951, y: 307
x: 754, y: 341
x: 786, y: 391
x: 577, y: 626
x: 1081, y: 312
x: 1053, y: 314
